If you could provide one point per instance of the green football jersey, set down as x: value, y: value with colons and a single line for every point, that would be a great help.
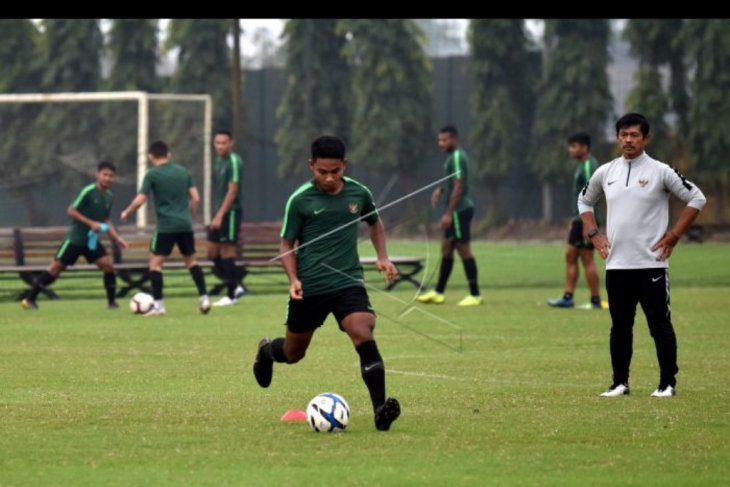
x: 331, y: 262
x: 93, y: 204
x: 226, y: 171
x: 458, y: 164
x: 168, y: 183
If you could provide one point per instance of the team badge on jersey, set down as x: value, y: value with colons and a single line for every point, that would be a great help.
x: 643, y: 182
x: 354, y: 207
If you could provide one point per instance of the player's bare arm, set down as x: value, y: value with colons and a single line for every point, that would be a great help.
x: 231, y: 194
x: 448, y: 217
x: 194, y: 198
x: 289, y: 261
x: 383, y: 263
x: 436, y: 196
x: 76, y: 215
x: 138, y: 201
x: 114, y: 235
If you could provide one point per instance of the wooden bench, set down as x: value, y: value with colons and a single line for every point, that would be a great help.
x: 28, y: 251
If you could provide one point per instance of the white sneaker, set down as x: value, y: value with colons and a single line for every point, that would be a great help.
x: 204, y: 305
x: 225, y: 301
x: 155, y: 312
x: 667, y: 391
x: 616, y: 390
x: 239, y: 292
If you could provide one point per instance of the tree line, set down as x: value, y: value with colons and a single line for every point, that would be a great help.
x: 370, y: 82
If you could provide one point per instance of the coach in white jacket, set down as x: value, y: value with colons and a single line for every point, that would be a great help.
x: 637, y: 245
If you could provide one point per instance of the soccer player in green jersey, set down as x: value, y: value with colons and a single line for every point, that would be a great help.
x: 224, y: 227
x: 176, y: 198
x: 455, y: 221
x: 579, y: 148
x: 90, y: 215
x: 319, y: 253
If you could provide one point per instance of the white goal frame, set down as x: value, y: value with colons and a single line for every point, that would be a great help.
x: 142, y: 98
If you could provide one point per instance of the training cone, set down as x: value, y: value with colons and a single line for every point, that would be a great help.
x: 294, y: 415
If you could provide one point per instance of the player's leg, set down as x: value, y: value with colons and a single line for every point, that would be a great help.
x: 447, y: 264
x: 160, y: 247
x: 462, y: 239
x: 66, y: 255
x: 304, y: 316
x: 623, y: 296
x: 575, y: 237
x: 186, y: 244
x: 591, y: 270
x: 654, y: 299
x: 356, y: 318
x: 104, y: 262
x: 212, y: 249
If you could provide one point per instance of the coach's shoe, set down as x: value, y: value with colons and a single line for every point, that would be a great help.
x: 204, y: 304
x: 471, y: 300
x: 239, y: 292
x: 28, y: 304
x: 263, y: 366
x: 386, y: 414
x: 225, y: 301
x: 616, y: 390
x: 431, y: 297
x: 664, y: 391
x: 113, y: 305
x: 155, y: 312
x: 561, y: 303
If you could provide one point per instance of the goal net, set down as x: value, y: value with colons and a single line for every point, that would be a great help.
x: 52, y: 143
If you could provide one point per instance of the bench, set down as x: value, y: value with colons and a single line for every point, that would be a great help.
x: 28, y: 251
x: 701, y: 232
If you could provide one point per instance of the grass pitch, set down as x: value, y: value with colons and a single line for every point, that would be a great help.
x: 96, y: 397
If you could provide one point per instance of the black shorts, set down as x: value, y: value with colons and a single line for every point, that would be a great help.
x: 575, y: 237
x: 69, y: 253
x: 460, y: 228
x: 228, y: 232
x: 309, y: 313
x: 162, y: 243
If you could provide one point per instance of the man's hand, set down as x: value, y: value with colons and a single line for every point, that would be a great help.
x: 216, y: 222
x: 601, y: 243
x: 446, y: 220
x: 122, y: 243
x: 295, y: 290
x: 436, y: 196
x: 391, y: 271
x: 666, y: 244
x: 124, y: 215
x: 95, y: 226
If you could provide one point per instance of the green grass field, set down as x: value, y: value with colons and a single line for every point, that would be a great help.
x: 96, y: 397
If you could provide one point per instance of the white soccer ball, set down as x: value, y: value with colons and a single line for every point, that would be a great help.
x: 141, y: 303
x: 328, y: 412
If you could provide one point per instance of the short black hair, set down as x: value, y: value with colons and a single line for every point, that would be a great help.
x: 224, y: 132
x: 449, y: 129
x: 158, y: 149
x: 106, y: 165
x: 582, y: 138
x: 631, y: 119
x: 328, y: 147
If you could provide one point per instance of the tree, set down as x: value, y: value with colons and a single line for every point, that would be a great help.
x: 132, y: 49
x: 708, y: 45
x: 652, y: 43
x: 442, y: 37
x: 573, y: 96
x: 203, y: 67
x: 501, y: 100
x: 19, y: 57
x: 317, y: 93
x: 392, y: 94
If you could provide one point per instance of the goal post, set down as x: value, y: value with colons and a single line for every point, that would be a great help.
x: 143, y: 113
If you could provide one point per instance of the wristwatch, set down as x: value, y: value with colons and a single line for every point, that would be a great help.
x: 592, y: 233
